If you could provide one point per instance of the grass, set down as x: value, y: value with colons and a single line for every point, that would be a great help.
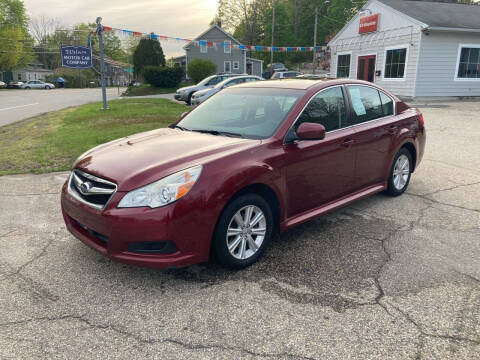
x: 53, y: 141
x: 147, y: 89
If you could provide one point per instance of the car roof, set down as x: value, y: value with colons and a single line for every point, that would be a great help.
x: 301, y: 84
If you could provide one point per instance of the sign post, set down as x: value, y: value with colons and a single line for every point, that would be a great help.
x: 102, y: 62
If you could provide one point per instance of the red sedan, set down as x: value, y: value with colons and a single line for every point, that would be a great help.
x: 253, y: 160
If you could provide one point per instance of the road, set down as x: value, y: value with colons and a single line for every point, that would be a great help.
x: 384, y: 278
x: 16, y: 105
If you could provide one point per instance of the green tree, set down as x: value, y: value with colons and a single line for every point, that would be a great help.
x: 148, y: 52
x: 15, y: 42
x: 199, y: 69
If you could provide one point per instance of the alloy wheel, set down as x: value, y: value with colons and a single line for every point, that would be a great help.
x: 246, y: 232
x: 401, y: 172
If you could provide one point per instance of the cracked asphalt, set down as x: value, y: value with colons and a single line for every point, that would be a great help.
x: 384, y: 278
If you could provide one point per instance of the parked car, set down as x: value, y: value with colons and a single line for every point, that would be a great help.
x: 2, y: 85
x: 272, y: 68
x: 202, y: 95
x: 37, y: 84
x: 253, y: 160
x: 314, y: 76
x: 186, y: 93
x: 14, y: 85
x: 285, y: 74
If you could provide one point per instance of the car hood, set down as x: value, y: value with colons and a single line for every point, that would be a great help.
x: 206, y: 92
x: 140, y: 159
x: 193, y: 87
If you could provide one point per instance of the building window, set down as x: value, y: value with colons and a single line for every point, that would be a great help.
x: 203, y: 48
x: 227, y: 49
x: 227, y: 67
x: 343, y: 66
x: 468, y: 66
x: 395, y: 63
x: 236, y: 65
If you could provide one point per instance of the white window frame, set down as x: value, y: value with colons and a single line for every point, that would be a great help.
x: 227, y: 49
x: 236, y: 65
x: 395, y: 47
x: 350, y: 67
x: 225, y: 67
x: 204, y: 48
x: 460, y: 47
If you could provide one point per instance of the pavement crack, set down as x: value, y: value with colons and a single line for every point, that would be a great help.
x: 451, y: 188
x: 422, y: 331
x: 442, y: 203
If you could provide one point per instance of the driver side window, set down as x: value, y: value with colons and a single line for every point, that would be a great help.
x: 326, y: 108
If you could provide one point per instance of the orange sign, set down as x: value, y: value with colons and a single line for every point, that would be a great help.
x: 368, y: 24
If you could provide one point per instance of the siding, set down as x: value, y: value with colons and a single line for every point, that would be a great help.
x: 393, y: 30
x: 217, y: 55
x: 438, y: 63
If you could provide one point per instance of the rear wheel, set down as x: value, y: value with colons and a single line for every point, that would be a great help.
x: 243, y: 231
x: 400, y: 173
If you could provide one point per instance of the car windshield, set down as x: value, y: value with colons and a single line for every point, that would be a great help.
x: 206, y: 80
x: 253, y: 113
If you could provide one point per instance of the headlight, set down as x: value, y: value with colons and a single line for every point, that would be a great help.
x: 163, y: 191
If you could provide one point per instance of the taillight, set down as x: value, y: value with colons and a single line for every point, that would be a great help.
x: 420, y: 119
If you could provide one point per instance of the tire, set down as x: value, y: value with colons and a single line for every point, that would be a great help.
x: 47, y: 87
x: 400, y: 173
x: 189, y: 99
x: 246, y: 244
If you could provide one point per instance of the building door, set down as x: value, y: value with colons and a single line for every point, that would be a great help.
x: 366, y: 68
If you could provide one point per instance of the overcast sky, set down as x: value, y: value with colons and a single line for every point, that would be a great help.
x: 177, y: 18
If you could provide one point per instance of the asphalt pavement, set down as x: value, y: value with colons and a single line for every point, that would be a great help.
x: 16, y: 104
x: 383, y: 278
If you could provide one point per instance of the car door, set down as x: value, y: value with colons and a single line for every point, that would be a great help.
x: 373, y: 121
x: 320, y: 171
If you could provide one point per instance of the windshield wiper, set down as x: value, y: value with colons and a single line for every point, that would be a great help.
x: 181, y: 128
x: 216, y: 132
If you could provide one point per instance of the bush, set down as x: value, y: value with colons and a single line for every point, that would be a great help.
x: 163, y: 77
x: 199, y: 69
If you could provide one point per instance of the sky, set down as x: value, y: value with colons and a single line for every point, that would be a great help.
x: 176, y: 18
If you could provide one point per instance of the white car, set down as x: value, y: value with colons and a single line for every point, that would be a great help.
x: 202, y: 95
x: 37, y: 84
x: 2, y: 85
x: 285, y: 74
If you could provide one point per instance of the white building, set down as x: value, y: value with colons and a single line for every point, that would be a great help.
x: 412, y: 48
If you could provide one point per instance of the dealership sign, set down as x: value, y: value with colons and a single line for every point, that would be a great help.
x: 368, y: 24
x: 77, y: 57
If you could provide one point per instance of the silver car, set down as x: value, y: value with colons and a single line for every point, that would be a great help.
x: 185, y: 93
x: 202, y: 95
x: 37, y: 84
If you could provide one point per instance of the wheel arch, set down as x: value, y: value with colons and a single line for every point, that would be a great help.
x: 413, y: 152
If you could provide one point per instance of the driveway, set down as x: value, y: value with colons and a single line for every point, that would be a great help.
x: 384, y: 278
x: 16, y: 105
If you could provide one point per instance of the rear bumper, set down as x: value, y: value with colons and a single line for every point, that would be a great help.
x: 110, y: 231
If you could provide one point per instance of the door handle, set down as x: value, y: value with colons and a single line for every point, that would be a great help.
x: 392, y: 129
x: 347, y: 142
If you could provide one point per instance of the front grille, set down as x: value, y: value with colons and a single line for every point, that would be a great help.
x: 90, y: 190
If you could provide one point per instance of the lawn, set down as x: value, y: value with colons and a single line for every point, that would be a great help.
x: 53, y: 141
x: 147, y: 89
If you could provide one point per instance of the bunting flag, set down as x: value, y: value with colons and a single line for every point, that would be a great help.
x: 211, y: 44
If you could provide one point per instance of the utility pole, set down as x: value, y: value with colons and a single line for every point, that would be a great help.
x: 315, y: 40
x: 102, y: 62
x: 273, y: 30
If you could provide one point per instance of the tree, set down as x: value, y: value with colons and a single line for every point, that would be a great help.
x: 148, y: 52
x: 15, y: 41
x: 199, y: 69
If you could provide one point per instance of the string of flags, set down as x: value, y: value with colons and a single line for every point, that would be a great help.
x: 211, y: 44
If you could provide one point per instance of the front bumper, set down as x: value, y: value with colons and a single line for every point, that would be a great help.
x: 112, y: 231
x: 179, y: 97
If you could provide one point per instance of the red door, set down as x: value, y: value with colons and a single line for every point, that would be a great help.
x: 366, y: 68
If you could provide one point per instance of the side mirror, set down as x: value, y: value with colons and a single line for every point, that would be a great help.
x: 310, y: 131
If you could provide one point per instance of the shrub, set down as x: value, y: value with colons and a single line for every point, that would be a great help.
x: 199, y: 69
x: 164, y: 77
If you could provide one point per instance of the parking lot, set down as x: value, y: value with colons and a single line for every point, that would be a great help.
x: 384, y: 278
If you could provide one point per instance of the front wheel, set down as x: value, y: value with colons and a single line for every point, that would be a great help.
x: 189, y: 99
x: 400, y: 173
x: 243, y: 231
x: 47, y: 87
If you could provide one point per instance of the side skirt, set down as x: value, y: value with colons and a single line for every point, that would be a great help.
x: 331, y: 206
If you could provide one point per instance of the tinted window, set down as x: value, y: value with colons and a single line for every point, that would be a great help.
x: 326, y: 108
x: 252, y: 112
x: 387, y: 104
x: 366, y: 104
